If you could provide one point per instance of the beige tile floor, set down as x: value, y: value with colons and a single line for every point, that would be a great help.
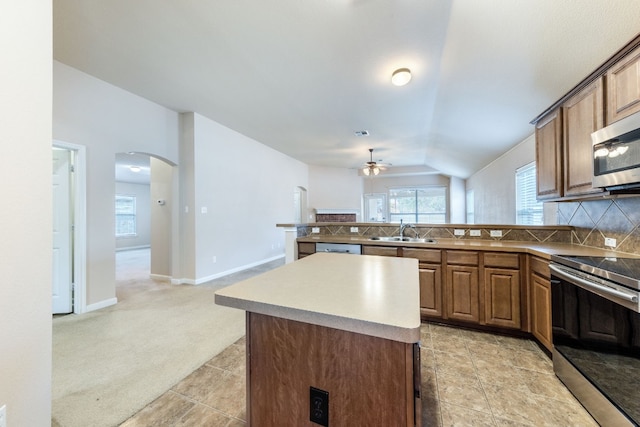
x: 468, y: 379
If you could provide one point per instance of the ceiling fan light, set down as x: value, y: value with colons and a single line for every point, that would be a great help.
x: 401, y: 76
x: 376, y: 171
x: 366, y: 171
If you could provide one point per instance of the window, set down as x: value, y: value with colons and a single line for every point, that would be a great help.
x: 420, y: 205
x: 528, y: 209
x: 125, y: 216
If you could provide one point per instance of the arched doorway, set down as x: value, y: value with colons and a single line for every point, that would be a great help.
x: 144, y: 216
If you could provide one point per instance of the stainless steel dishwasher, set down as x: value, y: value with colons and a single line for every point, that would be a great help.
x: 340, y: 248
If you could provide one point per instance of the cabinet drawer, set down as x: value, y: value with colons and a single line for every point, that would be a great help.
x: 425, y: 255
x: 306, y: 248
x: 462, y: 257
x: 501, y: 259
x: 540, y: 266
x: 380, y: 250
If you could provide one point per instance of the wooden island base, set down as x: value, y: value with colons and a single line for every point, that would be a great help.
x: 370, y: 380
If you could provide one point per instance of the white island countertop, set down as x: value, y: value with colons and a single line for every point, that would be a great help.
x: 371, y: 295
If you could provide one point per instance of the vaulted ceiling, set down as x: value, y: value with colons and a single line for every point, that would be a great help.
x: 302, y: 76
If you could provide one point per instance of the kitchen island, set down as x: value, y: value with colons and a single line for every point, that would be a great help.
x: 332, y: 338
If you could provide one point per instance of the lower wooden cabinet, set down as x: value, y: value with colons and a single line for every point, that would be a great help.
x: 430, y: 271
x: 430, y: 290
x: 540, y: 308
x: 502, y: 297
x: 462, y: 293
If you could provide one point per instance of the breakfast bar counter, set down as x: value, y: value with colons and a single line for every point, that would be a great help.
x: 332, y: 339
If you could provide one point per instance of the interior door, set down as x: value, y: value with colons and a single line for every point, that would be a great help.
x: 62, y: 278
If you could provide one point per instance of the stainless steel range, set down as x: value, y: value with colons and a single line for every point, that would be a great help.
x: 596, y: 334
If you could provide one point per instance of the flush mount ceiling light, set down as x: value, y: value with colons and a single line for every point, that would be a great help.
x: 401, y: 76
x: 135, y: 168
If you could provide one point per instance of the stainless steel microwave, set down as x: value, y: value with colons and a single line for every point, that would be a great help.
x: 616, y: 154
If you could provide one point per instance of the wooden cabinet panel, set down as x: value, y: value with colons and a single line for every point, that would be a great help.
x: 430, y: 290
x: 462, y: 293
x: 502, y: 297
x: 501, y: 259
x: 306, y: 249
x: 380, y: 250
x: 623, y: 87
x: 540, y: 310
x: 424, y: 255
x: 540, y: 266
x: 549, y: 155
x: 463, y: 257
x: 583, y: 114
x: 370, y: 380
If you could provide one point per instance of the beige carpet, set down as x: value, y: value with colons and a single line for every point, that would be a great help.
x: 110, y: 363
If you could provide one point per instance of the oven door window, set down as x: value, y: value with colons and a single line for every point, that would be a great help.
x: 602, y: 340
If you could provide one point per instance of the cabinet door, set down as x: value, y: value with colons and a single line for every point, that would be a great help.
x: 583, y: 114
x: 306, y: 249
x: 502, y: 297
x: 541, y: 310
x: 549, y: 155
x: 380, y: 250
x: 623, y: 87
x: 462, y: 293
x: 430, y: 290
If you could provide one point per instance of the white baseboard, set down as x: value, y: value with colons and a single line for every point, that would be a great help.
x: 132, y: 248
x: 202, y: 280
x: 101, y: 304
x: 237, y: 269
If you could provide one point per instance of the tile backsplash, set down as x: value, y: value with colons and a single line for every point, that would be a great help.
x: 593, y: 220
x: 521, y: 233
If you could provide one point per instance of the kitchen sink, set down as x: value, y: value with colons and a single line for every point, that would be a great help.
x: 403, y: 239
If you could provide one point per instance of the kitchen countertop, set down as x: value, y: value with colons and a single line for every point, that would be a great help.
x: 543, y: 250
x: 371, y: 295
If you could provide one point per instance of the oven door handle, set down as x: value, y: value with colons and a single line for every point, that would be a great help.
x: 593, y: 286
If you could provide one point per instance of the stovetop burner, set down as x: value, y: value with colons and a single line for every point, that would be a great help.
x: 623, y: 270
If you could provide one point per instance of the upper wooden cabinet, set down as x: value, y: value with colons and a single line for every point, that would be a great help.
x: 563, y: 131
x: 582, y: 115
x: 548, y: 156
x: 623, y: 87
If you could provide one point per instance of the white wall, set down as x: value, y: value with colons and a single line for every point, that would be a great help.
x: 162, y: 217
x: 143, y: 215
x: 495, y: 185
x: 26, y: 214
x: 457, y: 201
x: 107, y: 120
x: 247, y: 188
x: 334, y: 188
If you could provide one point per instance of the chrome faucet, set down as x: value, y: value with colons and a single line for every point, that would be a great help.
x: 404, y: 226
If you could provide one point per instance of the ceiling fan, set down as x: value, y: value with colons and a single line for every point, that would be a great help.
x: 373, y: 168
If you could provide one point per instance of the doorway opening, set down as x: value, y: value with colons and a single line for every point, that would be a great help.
x: 144, y: 218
